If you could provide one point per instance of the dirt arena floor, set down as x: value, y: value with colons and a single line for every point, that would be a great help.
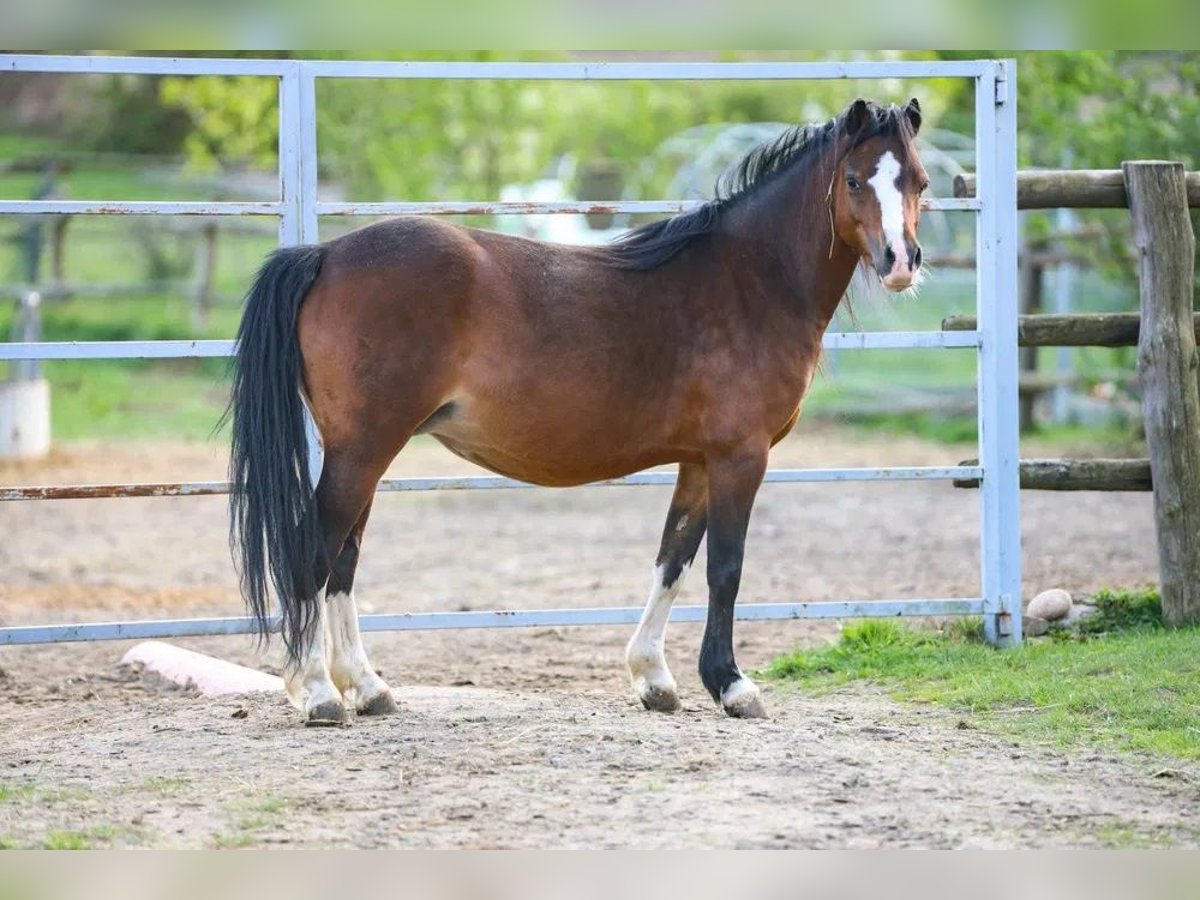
x: 532, y: 738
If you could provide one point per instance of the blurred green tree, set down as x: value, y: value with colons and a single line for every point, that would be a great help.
x: 1097, y: 107
x: 461, y: 139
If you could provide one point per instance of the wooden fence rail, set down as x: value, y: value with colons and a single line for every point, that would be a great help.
x: 1159, y: 196
x: 1076, y: 475
x: 1073, y: 189
x: 1075, y: 330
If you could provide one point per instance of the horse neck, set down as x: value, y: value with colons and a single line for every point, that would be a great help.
x: 787, y: 227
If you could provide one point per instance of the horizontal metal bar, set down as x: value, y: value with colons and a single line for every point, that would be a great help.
x: 531, y: 618
x: 486, y: 482
x: 571, y: 71
x: 117, y: 349
x: 142, y: 65
x: 501, y: 207
x: 140, y: 208
x: 951, y: 204
x: 869, y: 340
x: 772, y: 476
x: 382, y: 208
x: 898, y: 340
x: 629, y: 615
x: 632, y: 71
x: 557, y: 207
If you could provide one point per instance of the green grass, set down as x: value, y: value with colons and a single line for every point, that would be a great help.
x: 1121, y: 682
x: 127, y: 400
x: 97, y: 836
x: 1112, y: 438
x: 132, y: 399
x: 18, y: 793
x: 239, y: 841
x: 252, y: 816
x: 1123, y: 611
x: 940, y: 429
x: 165, y: 400
x: 10, y: 793
x: 163, y: 784
x: 66, y: 840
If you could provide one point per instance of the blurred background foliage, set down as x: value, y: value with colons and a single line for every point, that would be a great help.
x: 461, y: 138
x: 147, y: 138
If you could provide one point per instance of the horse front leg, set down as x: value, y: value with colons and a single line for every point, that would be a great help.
x: 681, y: 536
x: 733, y: 482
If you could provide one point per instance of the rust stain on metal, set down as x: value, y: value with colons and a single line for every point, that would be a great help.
x: 103, y: 491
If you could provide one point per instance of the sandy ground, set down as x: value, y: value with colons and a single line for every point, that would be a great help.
x: 531, y: 737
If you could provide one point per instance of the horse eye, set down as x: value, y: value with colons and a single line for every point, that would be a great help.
x: 853, y: 183
x: 924, y: 185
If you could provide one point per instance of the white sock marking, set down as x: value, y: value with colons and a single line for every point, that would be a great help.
x: 645, y: 652
x: 348, y: 663
x: 740, y: 691
x: 309, y: 684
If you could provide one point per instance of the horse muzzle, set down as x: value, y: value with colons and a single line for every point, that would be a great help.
x: 898, y: 271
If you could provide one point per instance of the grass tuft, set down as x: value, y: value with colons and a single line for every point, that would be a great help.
x: 66, y: 840
x: 1124, y: 611
x: 1125, y: 684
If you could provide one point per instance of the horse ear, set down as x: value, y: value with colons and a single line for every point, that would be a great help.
x: 913, y: 113
x: 857, y: 116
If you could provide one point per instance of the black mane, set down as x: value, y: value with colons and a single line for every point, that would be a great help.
x: 652, y: 244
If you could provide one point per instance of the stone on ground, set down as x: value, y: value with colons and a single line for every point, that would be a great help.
x: 1032, y: 626
x: 1050, y: 605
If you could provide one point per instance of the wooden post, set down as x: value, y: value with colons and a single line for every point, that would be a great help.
x: 58, y: 251
x: 1029, y: 301
x: 1158, y: 205
x: 206, y: 264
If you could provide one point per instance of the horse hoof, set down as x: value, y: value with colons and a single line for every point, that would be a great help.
x: 326, y: 715
x: 382, y: 704
x: 659, y: 699
x: 741, y: 700
x: 746, y: 708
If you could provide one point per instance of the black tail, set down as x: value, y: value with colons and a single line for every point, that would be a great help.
x: 274, y: 531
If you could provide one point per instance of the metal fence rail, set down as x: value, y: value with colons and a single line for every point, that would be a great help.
x: 517, y: 618
x: 868, y: 340
x: 298, y: 211
x: 487, y: 482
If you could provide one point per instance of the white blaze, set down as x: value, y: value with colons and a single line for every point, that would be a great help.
x: 891, y: 204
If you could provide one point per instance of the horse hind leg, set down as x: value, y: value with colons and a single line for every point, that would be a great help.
x: 343, y: 493
x: 682, y: 533
x: 349, y: 667
x: 307, y: 678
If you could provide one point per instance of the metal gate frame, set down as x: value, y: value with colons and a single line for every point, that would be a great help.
x: 298, y: 211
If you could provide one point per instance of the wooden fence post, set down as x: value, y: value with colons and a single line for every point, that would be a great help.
x: 1158, y: 205
x: 206, y: 266
x: 58, y: 250
x: 1029, y: 301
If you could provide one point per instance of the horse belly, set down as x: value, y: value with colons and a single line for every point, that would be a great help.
x: 546, y: 446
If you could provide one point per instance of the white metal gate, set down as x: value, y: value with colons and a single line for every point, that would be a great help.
x: 298, y: 209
